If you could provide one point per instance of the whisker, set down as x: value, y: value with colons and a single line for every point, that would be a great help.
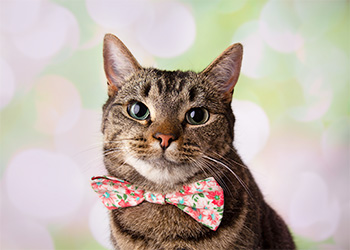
x: 208, y: 170
x: 195, y: 164
x: 111, y: 151
x: 232, y: 172
x: 96, y: 163
x: 230, y: 160
x: 221, y: 182
x: 123, y: 139
x: 89, y: 149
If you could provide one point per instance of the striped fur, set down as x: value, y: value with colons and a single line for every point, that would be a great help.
x: 132, y: 153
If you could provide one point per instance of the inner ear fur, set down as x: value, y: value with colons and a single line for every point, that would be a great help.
x: 119, y: 63
x: 225, y: 69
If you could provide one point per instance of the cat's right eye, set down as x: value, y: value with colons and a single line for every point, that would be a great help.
x: 138, y: 110
x: 197, y: 116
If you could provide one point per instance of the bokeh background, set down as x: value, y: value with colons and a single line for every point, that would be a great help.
x: 291, y: 102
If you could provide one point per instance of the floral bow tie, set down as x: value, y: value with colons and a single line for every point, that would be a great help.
x: 202, y: 200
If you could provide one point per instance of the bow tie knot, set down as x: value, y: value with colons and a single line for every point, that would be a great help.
x: 154, y: 198
x: 202, y: 200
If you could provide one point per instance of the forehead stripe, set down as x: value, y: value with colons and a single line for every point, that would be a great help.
x: 146, y: 89
x: 192, y: 94
x: 160, y: 86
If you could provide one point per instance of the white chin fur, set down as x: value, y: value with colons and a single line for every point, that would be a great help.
x: 156, y: 175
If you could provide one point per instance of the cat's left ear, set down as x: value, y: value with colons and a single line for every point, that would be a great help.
x: 224, y: 70
x: 119, y: 63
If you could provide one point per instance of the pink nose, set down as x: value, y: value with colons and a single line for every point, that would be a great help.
x: 165, y: 140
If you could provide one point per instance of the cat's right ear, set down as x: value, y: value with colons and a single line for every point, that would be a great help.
x: 119, y: 63
x: 225, y: 69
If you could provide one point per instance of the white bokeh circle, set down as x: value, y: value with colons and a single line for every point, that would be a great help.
x: 24, y: 233
x: 318, y: 99
x: 44, y: 185
x: 7, y: 83
x: 335, y: 142
x: 57, y: 27
x: 99, y: 224
x: 313, y: 212
x: 18, y: 16
x: 317, y: 17
x: 231, y: 6
x: 58, y: 104
x: 252, y: 128
x: 115, y: 14
x: 279, y: 27
x: 84, y: 143
x: 331, y: 66
x: 167, y: 29
x: 341, y: 236
x: 254, y: 50
x: 321, y: 79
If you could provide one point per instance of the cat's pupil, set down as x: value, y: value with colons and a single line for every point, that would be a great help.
x: 197, y: 116
x: 139, y: 111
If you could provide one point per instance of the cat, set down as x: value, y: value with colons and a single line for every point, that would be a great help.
x: 164, y: 130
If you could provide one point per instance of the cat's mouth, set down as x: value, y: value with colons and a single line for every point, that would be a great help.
x: 165, y: 160
x: 168, y: 166
x: 161, y: 158
x: 161, y: 170
x: 171, y: 165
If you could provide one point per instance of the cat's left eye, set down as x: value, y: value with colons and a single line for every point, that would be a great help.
x: 197, y: 116
x: 138, y: 110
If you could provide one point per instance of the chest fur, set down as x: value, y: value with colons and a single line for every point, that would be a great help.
x: 154, y: 226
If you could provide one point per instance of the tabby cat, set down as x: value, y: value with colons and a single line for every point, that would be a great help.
x: 164, y: 130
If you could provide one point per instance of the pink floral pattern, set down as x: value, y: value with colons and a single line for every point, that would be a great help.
x: 217, y: 198
x: 202, y: 200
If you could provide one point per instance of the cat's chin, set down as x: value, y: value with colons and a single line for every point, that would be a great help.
x: 162, y: 170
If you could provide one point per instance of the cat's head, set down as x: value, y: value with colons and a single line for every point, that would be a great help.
x: 164, y: 125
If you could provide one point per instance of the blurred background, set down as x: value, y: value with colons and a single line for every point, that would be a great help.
x: 291, y: 103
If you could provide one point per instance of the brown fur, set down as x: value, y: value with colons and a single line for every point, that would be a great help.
x: 132, y: 153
